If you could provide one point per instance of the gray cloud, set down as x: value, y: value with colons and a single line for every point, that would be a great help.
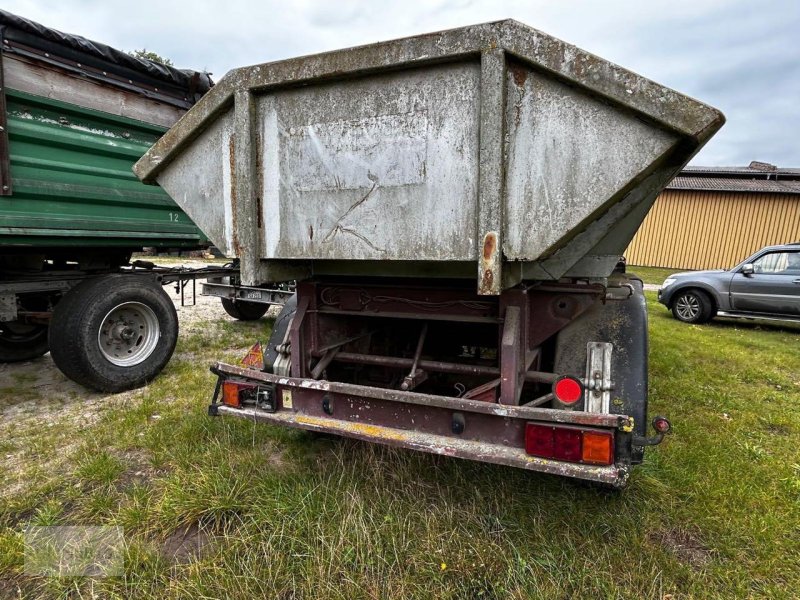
x: 742, y: 57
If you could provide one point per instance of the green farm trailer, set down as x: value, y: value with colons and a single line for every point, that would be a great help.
x: 75, y: 115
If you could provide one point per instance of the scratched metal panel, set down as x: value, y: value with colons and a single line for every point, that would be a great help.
x: 205, y: 193
x: 381, y: 168
x: 569, y: 155
x: 494, y: 144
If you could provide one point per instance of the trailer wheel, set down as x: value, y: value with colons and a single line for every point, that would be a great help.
x: 243, y: 310
x: 22, y: 341
x: 114, y: 333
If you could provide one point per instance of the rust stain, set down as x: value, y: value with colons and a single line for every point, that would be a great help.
x: 489, y: 246
x: 489, y: 261
x: 232, y: 160
x: 487, y: 280
x: 519, y: 74
x: 260, y: 179
x: 373, y: 431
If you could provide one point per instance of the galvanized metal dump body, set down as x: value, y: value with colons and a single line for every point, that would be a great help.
x: 493, y: 150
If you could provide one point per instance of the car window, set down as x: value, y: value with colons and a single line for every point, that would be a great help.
x: 779, y: 263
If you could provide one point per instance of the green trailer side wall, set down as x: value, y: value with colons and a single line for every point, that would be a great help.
x: 72, y: 183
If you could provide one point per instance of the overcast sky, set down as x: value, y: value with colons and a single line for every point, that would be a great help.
x: 740, y: 56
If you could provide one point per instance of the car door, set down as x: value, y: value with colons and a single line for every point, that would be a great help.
x: 772, y: 288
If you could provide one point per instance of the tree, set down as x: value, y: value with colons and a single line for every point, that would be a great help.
x: 148, y: 55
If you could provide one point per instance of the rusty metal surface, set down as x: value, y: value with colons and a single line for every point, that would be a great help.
x: 483, y: 451
x: 376, y: 156
x: 621, y: 422
x: 436, y: 365
x: 512, y: 327
x: 491, y: 192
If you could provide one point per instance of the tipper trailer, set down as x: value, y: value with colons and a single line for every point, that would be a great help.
x: 74, y: 117
x: 453, y: 207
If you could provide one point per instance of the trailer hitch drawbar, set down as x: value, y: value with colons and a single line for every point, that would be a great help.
x: 662, y: 427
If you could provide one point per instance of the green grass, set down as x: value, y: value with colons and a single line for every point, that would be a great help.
x: 655, y: 275
x: 260, y: 511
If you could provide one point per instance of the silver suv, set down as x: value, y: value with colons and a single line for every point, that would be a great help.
x: 765, y: 286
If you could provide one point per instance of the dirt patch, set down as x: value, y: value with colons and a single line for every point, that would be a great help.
x: 685, y: 545
x: 185, y: 545
x: 138, y: 468
x: 12, y: 587
x: 777, y: 429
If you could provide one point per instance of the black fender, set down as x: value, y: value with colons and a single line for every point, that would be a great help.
x: 622, y: 323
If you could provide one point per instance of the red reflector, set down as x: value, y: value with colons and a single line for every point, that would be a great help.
x: 568, y: 390
x: 567, y: 444
x: 255, y: 357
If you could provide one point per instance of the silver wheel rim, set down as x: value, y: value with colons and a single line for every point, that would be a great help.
x: 688, y: 307
x: 128, y: 334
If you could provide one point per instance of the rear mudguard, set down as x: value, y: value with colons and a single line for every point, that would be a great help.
x: 623, y: 323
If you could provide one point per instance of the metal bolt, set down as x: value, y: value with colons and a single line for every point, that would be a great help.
x: 2, y: 128
x: 5, y: 188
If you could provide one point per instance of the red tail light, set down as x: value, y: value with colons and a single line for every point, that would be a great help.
x: 571, y: 444
x: 568, y: 389
x: 567, y: 444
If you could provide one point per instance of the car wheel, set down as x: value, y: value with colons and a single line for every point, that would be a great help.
x: 243, y: 310
x: 692, y: 306
x: 113, y: 333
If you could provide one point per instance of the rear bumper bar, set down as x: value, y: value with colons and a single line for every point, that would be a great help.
x: 433, y: 444
x: 490, y: 432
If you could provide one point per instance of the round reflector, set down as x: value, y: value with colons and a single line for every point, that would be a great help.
x: 662, y: 425
x: 568, y: 390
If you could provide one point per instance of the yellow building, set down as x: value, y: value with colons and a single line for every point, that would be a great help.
x: 713, y: 217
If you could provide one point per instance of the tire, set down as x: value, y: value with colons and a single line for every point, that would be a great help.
x: 21, y: 341
x: 113, y: 333
x: 692, y: 306
x: 243, y: 310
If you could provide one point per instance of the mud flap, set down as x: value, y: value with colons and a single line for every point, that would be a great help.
x: 623, y: 324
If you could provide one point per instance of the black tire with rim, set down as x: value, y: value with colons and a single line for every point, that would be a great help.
x: 243, y: 310
x: 113, y: 333
x: 692, y: 306
x: 22, y: 341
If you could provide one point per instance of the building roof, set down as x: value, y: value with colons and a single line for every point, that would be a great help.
x: 757, y: 177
